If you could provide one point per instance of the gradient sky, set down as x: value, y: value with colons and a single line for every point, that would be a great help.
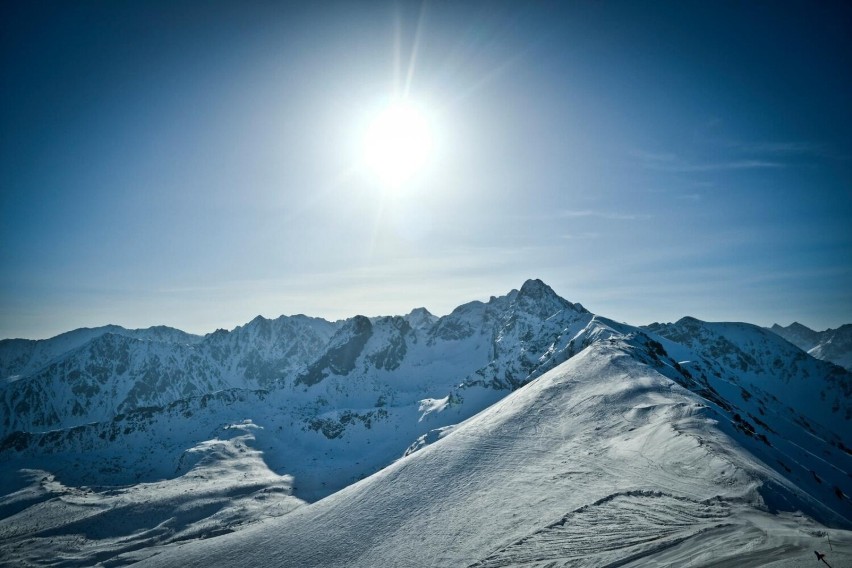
x: 195, y: 164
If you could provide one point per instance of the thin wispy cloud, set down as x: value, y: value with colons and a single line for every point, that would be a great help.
x: 671, y: 162
x: 653, y: 156
x: 786, y: 150
x: 778, y: 148
x: 577, y: 213
x: 689, y: 196
x: 730, y: 165
x: 587, y: 236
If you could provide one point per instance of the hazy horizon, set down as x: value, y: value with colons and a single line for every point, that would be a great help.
x: 442, y: 312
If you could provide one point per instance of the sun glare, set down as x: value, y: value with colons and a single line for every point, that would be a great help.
x: 397, y: 143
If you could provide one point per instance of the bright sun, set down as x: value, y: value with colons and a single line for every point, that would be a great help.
x: 398, y: 143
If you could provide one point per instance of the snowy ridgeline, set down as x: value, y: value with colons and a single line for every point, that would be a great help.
x: 833, y: 345
x: 532, y: 430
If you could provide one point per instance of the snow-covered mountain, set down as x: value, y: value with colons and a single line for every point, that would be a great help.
x: 93, y: 375
x: 360, y: 390
x: 526, y: 394
x: 603, y: 461
x: 746, y: 357
x: 21, y: 357
x: 833, y: 345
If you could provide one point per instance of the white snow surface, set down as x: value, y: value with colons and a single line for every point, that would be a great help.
x: 600, y: 462
x: 519, y: 431
x: 44, y: 522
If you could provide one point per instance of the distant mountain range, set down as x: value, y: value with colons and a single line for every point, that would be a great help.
x: 506, y: 431
x: 833, y: 345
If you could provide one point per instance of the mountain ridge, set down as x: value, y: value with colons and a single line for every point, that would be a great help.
x: 502, y: 516
x: 328, y: 404
x: 834, y: 345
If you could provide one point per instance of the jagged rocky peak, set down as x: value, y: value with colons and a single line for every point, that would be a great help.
x: 257, y: 323
x: 278, y: 332
x: 535, y: 288
x: 538, y: 298
x: 535, y: 301
x: 802, y: 330
x: 25, y: 356
x: 341, y: 352
x: 354, y: 326
x: 420, y: 318
x: 260, y: 329
x: 217, y: 335
x: 798, y: 327
x: 833, y: 345
x: 420, y: 312
x: 799, y: 335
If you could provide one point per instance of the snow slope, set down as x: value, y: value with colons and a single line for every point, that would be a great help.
x: 601, y: 461
x: 762, y: 364
x: 345, y: 398
x: 47, y: 523
x: 833, y: 345
x: 330, y: 404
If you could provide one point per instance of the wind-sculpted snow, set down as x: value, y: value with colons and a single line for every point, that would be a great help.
x: 696, y: 422
x: 618, y: 528
x: 46, y: 522
x: 602, y: 461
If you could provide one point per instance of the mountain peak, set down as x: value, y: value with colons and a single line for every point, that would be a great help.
x: 535, y: 288
x: 334, y: 403
x: 419, y: 312
x: 795, y: 326
x: 833, y: 345
x: 420, y: 318
x: 537, y: 292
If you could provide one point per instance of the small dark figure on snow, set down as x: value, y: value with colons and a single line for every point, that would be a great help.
x: 821, y: 557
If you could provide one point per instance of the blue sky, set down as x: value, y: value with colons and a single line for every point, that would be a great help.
x: 196, y: 164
